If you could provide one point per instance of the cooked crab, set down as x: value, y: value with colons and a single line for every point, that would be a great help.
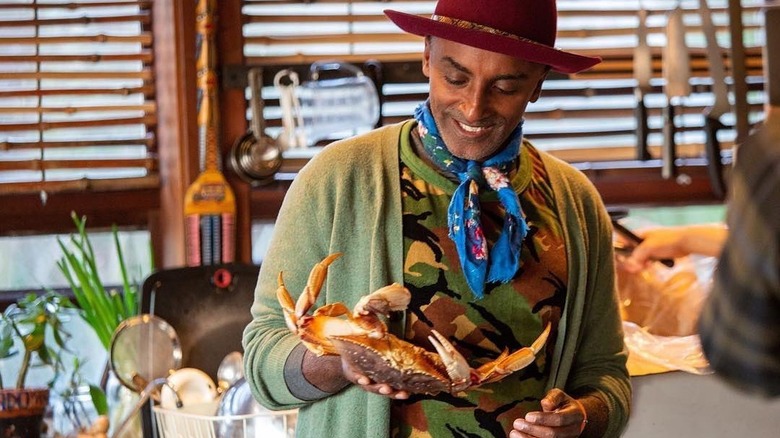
x: 362, y: 339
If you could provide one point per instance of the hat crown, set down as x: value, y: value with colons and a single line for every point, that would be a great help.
x: 535, y: 20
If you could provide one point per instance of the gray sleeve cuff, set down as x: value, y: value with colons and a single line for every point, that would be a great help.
x: 295, y: 380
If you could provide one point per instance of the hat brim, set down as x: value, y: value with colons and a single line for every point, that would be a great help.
x: 558, y: 60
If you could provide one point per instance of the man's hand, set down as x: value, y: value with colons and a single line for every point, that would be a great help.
x: 364, y: 382
x: 561, y: 416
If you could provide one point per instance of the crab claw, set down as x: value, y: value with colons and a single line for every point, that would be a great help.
x: 314, y: 285
x: 457, y: 367
x: 393, y: 297
x: 287, y: 303
x: 294, y: 311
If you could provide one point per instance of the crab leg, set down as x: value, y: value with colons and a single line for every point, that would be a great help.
x: 507, y: 364
x: 463, y: 376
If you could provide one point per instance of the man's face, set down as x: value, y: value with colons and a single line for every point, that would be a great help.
x: 478, y: 97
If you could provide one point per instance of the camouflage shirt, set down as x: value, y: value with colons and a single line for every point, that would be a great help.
x: 510, y: 316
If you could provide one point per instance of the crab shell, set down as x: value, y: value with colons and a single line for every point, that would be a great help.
x: 402, y: 365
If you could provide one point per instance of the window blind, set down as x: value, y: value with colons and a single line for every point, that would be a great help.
x: 77, y: 100
x: 585, y: 117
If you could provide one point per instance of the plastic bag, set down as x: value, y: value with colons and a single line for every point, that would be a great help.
x: 665, y: 301
x: 649, y: 353
x: 660, y: 307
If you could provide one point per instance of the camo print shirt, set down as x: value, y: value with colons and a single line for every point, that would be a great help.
x: 510, y: 316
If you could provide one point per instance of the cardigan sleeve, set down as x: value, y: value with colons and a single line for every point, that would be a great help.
x: 344, y: 200
x: 267, y: 342
x: 593, y: 355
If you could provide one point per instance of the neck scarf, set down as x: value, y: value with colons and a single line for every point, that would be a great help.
x: 463, y: 214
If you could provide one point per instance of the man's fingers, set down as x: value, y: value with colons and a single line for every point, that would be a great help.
x: 544, y: 428
x: 550, y: 419
x: 376, y: 388
x: 553, y: 400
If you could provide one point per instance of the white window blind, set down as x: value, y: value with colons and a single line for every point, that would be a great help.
x: 77, y: 108
x: 585, y: 117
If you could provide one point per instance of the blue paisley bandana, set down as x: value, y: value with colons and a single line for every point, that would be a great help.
x: 465, y: 228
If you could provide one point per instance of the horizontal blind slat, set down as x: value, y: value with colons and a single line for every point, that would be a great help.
x: 148, y: 142
x: 145, y: 74
x: 45, y: 126
x: 148, y: 107
x: 379, y: 38
x: 144, y: 56
x: 81, y: 185
x: 144, y: 163
x: 144, y: 4
x: 146, y: 90
x: 142, y: 18
x: 144, y: 39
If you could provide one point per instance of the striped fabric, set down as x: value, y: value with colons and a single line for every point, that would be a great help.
x: 740, y: 324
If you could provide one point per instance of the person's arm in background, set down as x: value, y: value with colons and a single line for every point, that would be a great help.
x: 674, y: 242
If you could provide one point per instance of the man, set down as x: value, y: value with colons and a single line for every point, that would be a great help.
x: 493, y: 238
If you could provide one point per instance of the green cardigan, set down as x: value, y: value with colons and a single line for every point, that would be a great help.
x: 347, y: 199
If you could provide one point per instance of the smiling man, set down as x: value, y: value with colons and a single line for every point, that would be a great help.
x: 478, y: 97
x: 494, y: 239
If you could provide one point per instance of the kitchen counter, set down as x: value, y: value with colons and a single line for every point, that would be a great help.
x: 684, y: 405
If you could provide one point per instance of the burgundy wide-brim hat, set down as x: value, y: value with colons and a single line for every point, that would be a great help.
x: 525, y: 29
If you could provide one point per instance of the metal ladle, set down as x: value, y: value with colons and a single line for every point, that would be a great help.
x: 256, y: 156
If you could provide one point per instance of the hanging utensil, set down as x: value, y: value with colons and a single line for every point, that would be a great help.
x: 712, y: 123
x: 256, y: 156
x: 643, y: 72
x: 676, y: 72
x: 209, y: 203
x: 293, y: 134
x: 771, y: 59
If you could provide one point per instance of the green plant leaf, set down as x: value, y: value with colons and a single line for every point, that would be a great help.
x: 6, y: 339
x: 98, y: 399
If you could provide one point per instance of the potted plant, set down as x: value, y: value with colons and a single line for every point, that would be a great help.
x: 32, y: 327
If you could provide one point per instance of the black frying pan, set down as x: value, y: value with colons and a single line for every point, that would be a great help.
x: 208, y: 306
